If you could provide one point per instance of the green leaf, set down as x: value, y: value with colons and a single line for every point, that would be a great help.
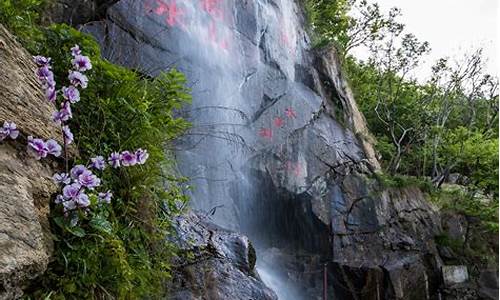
x: 99, y: 223
x: 77, y: 231
x: 60, y: 222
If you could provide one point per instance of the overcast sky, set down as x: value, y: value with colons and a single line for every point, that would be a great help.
x: 452, y: 27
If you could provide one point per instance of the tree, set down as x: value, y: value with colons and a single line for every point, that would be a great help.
x: 397, y: 99
x: 459, y: 95
x: 349, y: 23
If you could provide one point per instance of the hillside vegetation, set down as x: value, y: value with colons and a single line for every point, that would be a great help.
x: 440, y: 132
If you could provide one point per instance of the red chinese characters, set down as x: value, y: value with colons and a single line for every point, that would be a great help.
x: 290, y: 113
x: 266, y: 133
x: 213, y: 8
x: 169, y: 9
x: 278, y: 122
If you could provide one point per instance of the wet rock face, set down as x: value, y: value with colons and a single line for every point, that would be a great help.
x: 25, y: 184
x: 75, y: 12
x: 382, y: 243
x: 256, y: 90
x: 216, y: 263
x: 279, y: 147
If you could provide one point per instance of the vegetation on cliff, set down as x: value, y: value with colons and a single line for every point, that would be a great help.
x: 428, y: 132
x: 126, y: 253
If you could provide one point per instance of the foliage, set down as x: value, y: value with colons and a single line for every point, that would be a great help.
x: 401, y: 181
x: 348, y: 23
x: 425, y: 130
x: 21, y: 17
x: 328, y: 20
x: 120, y: 251
x: 458, y: 199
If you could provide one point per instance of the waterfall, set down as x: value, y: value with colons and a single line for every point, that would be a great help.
x: 242, y: 59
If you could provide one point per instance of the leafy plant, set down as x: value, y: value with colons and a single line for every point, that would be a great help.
x: 21, y: 18
x: 122, y: 252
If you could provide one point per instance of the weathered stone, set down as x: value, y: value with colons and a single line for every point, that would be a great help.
x: 454, y: 226
x: 75, y: 12
x: 216, y: 263
x: 25, y: 184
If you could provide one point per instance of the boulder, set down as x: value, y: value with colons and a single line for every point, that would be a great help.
x: 214, y: 263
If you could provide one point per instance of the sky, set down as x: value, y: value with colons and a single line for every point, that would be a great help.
x: 452, y: 27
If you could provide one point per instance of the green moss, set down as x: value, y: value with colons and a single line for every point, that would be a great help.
x: 456, y: 199
x: 20, y: 17
x: 119, y: 251
x: 401, y: 181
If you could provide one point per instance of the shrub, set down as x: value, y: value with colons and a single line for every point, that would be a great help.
x: 123, y: 253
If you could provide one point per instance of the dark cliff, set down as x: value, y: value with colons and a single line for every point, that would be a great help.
x: 278, y: 147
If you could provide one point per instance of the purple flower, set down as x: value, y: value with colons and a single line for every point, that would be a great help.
x: 89, y: 180
x: 71, y: 93
x: 9, y: 129
x: 49, y: 82
x: 53, y: 148
x: 64, y: 114
x: 81, y: 63
x: 76, y: 50
x: 141, y: 156
x: 68, y: 135
x: 59, y: 199
x: 51, y: 94
x: 69, y: 205
x: 61, y: 178
x: 98, y: 162
x: 77, y: 170
x: 60, y: 116
x: 114, y: 159
x: 82, y: 200
x: 46, y: 77
x: 128, y: 159
x: 78, y: 79
x: 41, y: 60
x: 71, y: 191
x: 105, y: 197
x: 44, y: 73
x: 37, y: 148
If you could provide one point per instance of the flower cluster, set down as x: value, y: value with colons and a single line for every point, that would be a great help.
x: 9, y: 129
x: 46, y: 77
x: 128, y: 158
x: 79, y: 182
x: 81, y: 178
x: 70, y: 94
x: 40, y: 148
x: 75, y: 186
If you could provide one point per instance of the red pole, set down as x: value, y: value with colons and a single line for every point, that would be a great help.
x: 325, y: 281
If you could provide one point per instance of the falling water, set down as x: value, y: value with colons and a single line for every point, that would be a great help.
x: 278, y: 283
x: 240, y: 58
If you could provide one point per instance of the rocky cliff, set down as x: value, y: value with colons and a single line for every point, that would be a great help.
x: 25, y: 184
x: 279, y: 149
